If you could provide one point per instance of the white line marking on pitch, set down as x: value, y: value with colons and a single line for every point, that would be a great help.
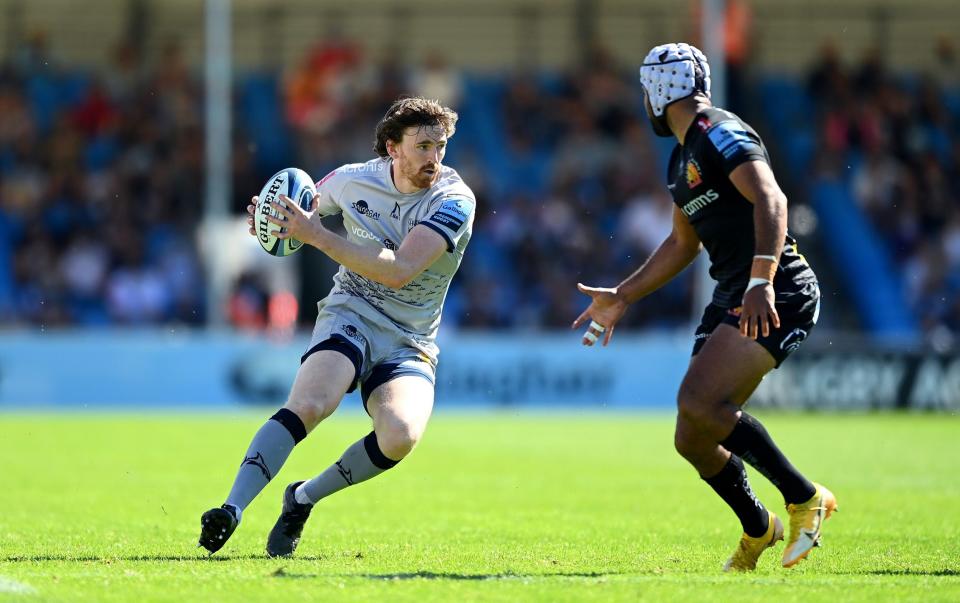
x: 12, y: 586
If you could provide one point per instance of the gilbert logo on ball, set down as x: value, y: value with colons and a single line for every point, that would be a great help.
x: 295, y: 184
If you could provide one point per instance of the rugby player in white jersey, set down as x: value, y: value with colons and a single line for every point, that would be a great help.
x: 408, y: 220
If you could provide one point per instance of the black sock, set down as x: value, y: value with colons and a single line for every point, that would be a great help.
x: 732, y: 486
x: 752, y: 443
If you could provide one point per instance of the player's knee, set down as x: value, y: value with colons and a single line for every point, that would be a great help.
x: 312, y: 410
x: 398, y: 437
x: 693, y: 408
x: 683, y: 439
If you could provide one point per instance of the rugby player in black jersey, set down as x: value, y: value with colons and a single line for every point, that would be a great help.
x: 764, y: 305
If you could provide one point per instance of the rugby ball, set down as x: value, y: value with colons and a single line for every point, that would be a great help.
x: 295, y: 184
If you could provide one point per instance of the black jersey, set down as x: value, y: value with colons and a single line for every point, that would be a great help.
x: 698, y: 177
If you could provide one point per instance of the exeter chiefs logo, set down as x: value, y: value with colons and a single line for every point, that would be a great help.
x: 693, y: 173
x: 364, y: 210
x: 793, y: 340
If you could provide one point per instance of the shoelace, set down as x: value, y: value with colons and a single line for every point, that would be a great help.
x: 795, y: 527
x: 294, y: 520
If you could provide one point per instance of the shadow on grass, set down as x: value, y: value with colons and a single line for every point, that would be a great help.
x: 159, y: 558
x: 914, y: 572
x: 426, y: 575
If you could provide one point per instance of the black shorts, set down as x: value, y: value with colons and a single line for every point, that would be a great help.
x: 798, y: 312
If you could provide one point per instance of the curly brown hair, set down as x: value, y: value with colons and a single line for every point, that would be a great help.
x: 409, y: 113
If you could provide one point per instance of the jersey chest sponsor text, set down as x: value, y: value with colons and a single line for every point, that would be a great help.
x: 362, y: 233
x: 697, y: 203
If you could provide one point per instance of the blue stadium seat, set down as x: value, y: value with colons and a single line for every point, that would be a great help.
x: 862, y: 259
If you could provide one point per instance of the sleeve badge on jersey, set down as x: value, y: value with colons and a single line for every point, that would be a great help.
x: 729, y: 138
x: 453, y: 212
x: 445, y: 219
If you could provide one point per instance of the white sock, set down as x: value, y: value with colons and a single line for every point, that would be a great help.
x: 301, y: 496
x: 237, y: 512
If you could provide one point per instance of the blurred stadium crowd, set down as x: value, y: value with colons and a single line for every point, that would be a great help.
x: 895, y: 141
x: 99, y: 176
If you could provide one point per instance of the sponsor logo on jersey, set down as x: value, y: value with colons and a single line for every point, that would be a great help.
x: 363, y: 209
x: 325, y: 178
x: 730, y: 138
x: 447, y: 220
x: 452, y: 213
x: 693, y: 173
x: 698, y: 203
x: 360, y: 233
x: 793, y: 340
x: 361, y: 168
x: 457, y: 207
x: 353, y: 333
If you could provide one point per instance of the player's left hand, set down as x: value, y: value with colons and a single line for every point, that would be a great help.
x: 758, y: 312
x: 295, y: 222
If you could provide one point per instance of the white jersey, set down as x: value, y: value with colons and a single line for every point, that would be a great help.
x: 376, y: 214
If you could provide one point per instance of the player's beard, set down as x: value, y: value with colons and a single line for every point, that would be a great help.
x: 422, y: 179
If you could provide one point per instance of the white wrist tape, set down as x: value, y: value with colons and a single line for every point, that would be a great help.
x: 756, y: 282
x: 765, y: 257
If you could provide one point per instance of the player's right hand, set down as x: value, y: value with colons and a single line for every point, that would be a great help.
x: 605, y: 310
x: 251, y: 209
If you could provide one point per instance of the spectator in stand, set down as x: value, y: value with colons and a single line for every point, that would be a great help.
x: 902, y: 144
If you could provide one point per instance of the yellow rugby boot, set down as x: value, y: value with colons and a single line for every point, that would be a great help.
x: 806, y: 519
x: 744, y: 559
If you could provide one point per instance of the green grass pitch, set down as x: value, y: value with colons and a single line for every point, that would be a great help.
x: 490, y: 507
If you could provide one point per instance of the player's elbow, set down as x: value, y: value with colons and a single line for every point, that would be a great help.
x: 399, y: 277
x: 686, y: 247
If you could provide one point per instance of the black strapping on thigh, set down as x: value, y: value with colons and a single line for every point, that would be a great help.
x: 339, y: 343
x: 387, y: 372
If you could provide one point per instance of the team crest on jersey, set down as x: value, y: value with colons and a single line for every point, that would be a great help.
x: 395, y: 214
x: 693, y: 173
x: 704, y: 124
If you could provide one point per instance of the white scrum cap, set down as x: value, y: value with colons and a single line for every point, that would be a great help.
x: 668, y: 74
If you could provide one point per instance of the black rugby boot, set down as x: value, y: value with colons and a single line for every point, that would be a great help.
x: 216, y: 527
x: 285, y: 535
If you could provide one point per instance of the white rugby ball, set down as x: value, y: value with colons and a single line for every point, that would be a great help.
x: 295, y: 184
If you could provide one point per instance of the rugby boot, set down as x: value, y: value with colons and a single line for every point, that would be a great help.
x: 806, y: 520
x: 744, y: 559
x: 216, y: 527
x: 285, y: 535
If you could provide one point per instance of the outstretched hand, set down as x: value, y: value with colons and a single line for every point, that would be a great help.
x: 605, y: 310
